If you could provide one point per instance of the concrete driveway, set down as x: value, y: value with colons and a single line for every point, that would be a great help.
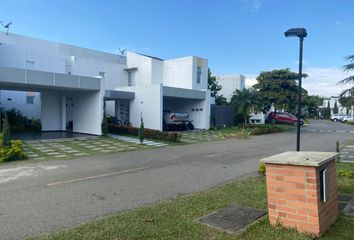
x: 45, y: 197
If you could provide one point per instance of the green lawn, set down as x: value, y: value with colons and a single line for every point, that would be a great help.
x: 175, y: 219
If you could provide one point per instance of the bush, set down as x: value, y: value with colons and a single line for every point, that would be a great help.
x: 262, y: 169
x: 148, y: 133
x: 264, y: 129
x: 345, y: 173
x: 14, y: 152
x: 20, y: 123
x: 6, y: 133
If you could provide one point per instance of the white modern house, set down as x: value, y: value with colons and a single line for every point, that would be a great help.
x: 332, y: 100
x: 230, y: 83
x: 74, y: 82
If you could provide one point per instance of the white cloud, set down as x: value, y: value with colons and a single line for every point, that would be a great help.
x: 321, y: 81
x: 255, y: 5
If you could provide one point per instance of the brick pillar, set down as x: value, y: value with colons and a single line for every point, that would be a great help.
x: 294, y: 194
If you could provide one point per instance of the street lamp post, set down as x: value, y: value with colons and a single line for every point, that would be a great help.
x: 301, y: 34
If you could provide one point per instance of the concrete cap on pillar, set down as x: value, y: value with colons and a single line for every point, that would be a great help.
x: 314, y: 159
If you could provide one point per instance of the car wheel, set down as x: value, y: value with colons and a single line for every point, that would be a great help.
x: 301, y: 123
x: 190, y: 126
x: 335, y: 120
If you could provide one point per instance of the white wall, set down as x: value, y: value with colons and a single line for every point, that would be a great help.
x: 229, y: 84
x: 30, y: 53
x: 148, y: 101
x: 18, y: 100
x: 51, y: 111
x: 88, y: 112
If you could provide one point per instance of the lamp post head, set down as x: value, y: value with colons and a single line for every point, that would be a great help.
x: 296, y: 32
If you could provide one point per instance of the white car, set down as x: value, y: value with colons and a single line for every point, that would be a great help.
x: 336, y: 117
x: 348, y: 118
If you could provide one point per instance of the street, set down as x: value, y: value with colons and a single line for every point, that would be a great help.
x: 43, y: 197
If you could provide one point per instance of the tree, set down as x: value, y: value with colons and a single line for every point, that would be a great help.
x: 349, y: 80
x: 312, y: 103
x: 104, y: 125
x: 244, y: 101
x: 327, y: 110
x: 141, y: 131
x: 213, y: 85
x: 335, y: 108
x: 278, y: 87
x: 6, y: 133
x: 220, y: 100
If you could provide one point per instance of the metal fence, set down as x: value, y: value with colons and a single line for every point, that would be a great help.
x: 222, y: 116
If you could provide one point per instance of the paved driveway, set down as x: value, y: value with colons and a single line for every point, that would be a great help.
x: 48, y: 196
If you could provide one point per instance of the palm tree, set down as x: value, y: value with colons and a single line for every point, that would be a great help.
x: 244, y: 101
x: 347, y: 68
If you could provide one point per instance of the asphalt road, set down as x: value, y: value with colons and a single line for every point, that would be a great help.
x: 44, y: 197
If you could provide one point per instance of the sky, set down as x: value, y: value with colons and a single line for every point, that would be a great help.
x: 236, y: 36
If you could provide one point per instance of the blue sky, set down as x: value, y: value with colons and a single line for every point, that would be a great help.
x: 236, y: 36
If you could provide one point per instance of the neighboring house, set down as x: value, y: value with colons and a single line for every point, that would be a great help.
x: 73, y: 83
x: 230, y: 83
x: 332, y: 100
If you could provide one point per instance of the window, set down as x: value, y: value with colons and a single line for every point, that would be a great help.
x: 30, y: 99
x: 199, y: 75
x: 130, y: 78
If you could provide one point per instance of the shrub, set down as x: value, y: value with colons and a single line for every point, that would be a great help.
x: 345, y: 173
x: 36, y: 125
x: 14, y: 152
x: 6, y: 133
x: 264, y: 129
x: 104, y: 125
x: 141, y: 131
x: 148, y: 133
x: 262, y: 169
x: 20, y: 123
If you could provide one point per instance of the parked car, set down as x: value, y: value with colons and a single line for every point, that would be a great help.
x: 347, y: 118
x: 283, y: 117
x: 176, y: 119
x: 336, y: 117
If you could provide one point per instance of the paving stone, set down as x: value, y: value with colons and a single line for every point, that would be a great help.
x: 61, y: 156
x: 46, y: 150
x: 80, y: 154
x: 53, y: 153
x: 233, y: 218
x: 96, y: 149
x: 72, y: 151
x: 106, y: 151
x: 32, y: 155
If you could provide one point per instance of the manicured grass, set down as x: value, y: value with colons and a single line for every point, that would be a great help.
x: 176, y: 218
x: 345, y: 184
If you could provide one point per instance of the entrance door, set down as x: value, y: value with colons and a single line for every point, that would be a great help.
x: 69, y: 114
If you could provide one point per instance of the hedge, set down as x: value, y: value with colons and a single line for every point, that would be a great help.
x: 148, y: 133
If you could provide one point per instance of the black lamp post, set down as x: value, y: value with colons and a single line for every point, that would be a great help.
x: 301, y: 34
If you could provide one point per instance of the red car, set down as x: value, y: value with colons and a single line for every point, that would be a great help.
x: 283, y: 117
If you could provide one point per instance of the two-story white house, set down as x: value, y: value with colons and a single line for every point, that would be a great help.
x: 74, y: 82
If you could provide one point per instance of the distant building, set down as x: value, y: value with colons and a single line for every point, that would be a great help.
x: 230, y: 83
x: 332, y: 100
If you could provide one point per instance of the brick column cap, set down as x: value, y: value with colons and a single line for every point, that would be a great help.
x: 309, y: 158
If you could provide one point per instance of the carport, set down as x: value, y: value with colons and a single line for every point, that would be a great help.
x: 193, y: 102
x: 67, y: 101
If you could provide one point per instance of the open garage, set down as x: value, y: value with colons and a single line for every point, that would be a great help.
x: 195, y: 103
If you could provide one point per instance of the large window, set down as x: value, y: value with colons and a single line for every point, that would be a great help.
x: 199, y: 75
x: 130, y: 79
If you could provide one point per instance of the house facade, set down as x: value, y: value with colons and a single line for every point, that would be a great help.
x: 74, y: 82
x: 332, y: 101
x: 230, y: 83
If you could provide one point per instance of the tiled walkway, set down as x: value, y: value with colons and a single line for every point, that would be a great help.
x: 137, y: 141
x: 77, y: 147
x: 200, y: 136
x: 347, y: 154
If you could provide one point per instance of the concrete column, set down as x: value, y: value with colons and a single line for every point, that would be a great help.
x: 63, y: 113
